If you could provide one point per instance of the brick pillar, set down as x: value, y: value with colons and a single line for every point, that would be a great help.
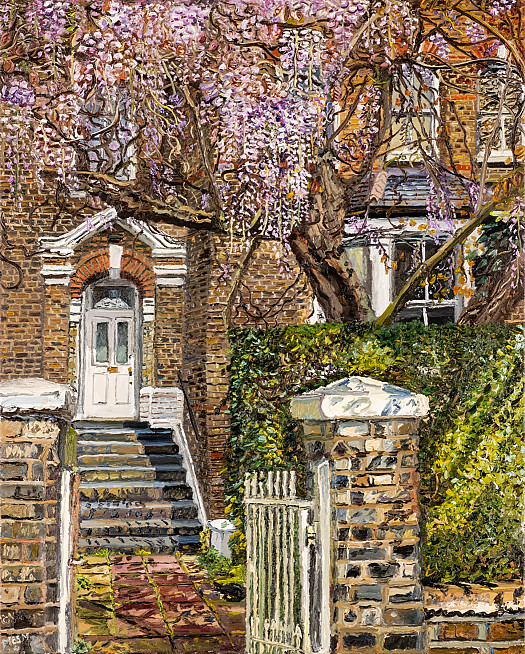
x: 369, y: 432
x: 36, y: 520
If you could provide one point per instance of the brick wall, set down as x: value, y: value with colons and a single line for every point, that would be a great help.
x: 31, y: 455
x: 265, y: 298
x: 22, y: 321
x: 169, y: 318
x: 198, y: 257
x: 55, y: 335
x: 475, y: 619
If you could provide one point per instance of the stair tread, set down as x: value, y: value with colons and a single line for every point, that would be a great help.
x: 124, y: 467
x: 164, y: 522
x: 138, y: 505
x: 149, y: 466
x: 83, y: 443
x: 134, y: 543
x: 123, y: 539
x: 135, y: 483
x: 105, y: 430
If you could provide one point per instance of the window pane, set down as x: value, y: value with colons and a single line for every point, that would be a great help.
x: 441, y: 279
x: 122, y: 342
x: 113, y: 297
x: 101, y: 342
x: 407, y: 257
x: 440, y: 315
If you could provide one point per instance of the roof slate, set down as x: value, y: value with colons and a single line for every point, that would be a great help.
x: 403, y: 192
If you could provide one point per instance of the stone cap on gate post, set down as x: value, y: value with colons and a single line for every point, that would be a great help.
x: 34, y: 395
x: 358, y: 397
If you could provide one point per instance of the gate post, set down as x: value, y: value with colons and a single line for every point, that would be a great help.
x: 368, y: 431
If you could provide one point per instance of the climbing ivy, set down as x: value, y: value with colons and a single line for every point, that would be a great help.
x: 472, y: 456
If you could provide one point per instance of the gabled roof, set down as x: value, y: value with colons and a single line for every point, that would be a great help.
x: 162, y: 244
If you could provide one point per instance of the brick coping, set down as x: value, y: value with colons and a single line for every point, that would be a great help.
x: 474, y: 599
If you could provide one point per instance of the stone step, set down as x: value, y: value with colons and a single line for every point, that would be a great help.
x: 117, y: 460
x: 108, y: 447
x: 149, y: 528
x: 153, y: 434
x: 145, y: 491
x: 160, y: 447
x: 113, y: 460
x: 167, y: 459
x: 169, y: 473
x: 128, y: 472
x: 182, y: 509
x: 98, y: 425
x: 116, y: 434
x: 105, y: 473
x: 131, y: 545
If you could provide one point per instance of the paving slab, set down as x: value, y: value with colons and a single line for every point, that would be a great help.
x: 146, y: 604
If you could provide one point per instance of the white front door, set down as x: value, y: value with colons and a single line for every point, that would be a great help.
x: 110, y: 359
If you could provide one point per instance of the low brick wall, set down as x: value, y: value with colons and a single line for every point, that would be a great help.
x: 474, y: 619
x: 32, y: 448
x: 161, y: 406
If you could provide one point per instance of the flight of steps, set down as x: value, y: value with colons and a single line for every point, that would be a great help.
x: 133, y: 490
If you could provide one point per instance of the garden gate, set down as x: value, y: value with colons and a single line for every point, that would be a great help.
x: 288, y: 559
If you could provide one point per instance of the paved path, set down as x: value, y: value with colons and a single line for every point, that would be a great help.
x: 151, y: 604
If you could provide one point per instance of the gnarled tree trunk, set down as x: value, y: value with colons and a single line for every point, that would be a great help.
x: 317, y: 246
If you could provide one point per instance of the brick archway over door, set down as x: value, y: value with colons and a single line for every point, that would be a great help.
x: 95, y: 266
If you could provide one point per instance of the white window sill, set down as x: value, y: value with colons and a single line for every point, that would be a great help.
x: 497, y: 156
x: 430, y: 304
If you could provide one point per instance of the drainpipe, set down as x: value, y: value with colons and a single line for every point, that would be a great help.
x: 64, y: 615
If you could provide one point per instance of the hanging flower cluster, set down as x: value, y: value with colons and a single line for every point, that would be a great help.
x: 221, y: 108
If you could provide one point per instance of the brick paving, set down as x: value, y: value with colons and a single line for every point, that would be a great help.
x: 153, y: 604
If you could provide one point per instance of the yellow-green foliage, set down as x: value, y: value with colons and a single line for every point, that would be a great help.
x: 471, y: 460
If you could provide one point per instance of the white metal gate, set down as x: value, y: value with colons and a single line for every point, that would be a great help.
x: 288, y: 558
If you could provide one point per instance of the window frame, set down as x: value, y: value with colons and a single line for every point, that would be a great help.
x: 410, y: 154
x: 497, y: 154
x: 426, y: 303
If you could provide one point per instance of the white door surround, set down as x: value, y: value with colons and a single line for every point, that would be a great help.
x: 110, y: 351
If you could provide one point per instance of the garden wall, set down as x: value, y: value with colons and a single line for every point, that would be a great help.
x: 471, y: 463
x: 475, y: 619
x: 36, y: 511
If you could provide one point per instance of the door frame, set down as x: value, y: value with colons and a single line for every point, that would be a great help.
x: 84, y: 339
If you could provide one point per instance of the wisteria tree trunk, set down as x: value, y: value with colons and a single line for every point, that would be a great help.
x: 317, y: 246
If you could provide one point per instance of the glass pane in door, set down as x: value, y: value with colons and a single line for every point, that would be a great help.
x: 122, y: 343
x: 101, y: 342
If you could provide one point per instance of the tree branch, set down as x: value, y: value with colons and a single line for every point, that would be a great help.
x: 427, y: 266
x: 241, y: 268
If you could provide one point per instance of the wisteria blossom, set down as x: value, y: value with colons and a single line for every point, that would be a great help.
x: 238, y: 116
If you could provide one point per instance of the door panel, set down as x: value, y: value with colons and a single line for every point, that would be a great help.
x: 122, y: 387
x: 109, y: 363
x: 100, y: 388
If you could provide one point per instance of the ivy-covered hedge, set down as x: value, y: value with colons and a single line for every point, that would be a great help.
x: 472, y: 454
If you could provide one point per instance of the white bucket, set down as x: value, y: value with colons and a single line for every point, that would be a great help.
x: 220, y: 532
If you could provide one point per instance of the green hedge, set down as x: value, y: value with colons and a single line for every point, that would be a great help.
x: 472, y: 456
